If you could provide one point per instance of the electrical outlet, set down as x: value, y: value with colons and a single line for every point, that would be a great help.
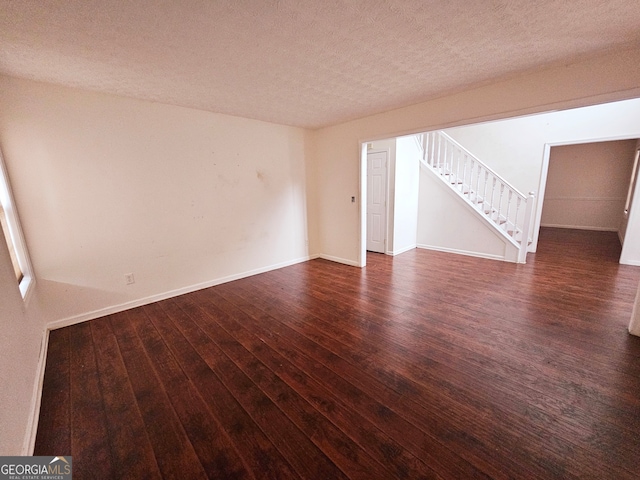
x: 128, y: 278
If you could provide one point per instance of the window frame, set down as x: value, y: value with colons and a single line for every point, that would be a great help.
x: 15, y: 232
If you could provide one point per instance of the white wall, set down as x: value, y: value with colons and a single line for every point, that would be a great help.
x: 446, y: 223
x: 406, y: 192
x: 20, y: 337
x: 107, y: 186
x: 338, y: 153
x: 587, y: 185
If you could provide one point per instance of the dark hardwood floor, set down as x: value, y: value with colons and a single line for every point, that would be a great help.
x: 424, y: 365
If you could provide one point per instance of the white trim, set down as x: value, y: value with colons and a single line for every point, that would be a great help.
x: 344, y: 261
x: 34, y: 416
x: 634, y: 263
x: 15, y: 232
x: 632, y: 227
x: 403, y: 250
x: 26, y: 286
x: 463, y: 252
x: 580, y: 227
x: 586, y: 140
x: 83, y: 317
x: 362, y: 211
x: 588, y: 199
x: 542, y: 187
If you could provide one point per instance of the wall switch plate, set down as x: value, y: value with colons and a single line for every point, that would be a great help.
x: 129, y: 279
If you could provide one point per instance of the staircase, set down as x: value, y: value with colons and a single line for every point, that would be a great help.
x: 501, y: 205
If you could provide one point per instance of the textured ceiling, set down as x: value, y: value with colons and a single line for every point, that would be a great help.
x: 308, y: 63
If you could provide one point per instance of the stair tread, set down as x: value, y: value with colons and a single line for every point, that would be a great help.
x: 477, y: 201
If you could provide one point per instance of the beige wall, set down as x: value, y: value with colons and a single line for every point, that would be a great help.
x: 587, y: 185
x: 107, y: 186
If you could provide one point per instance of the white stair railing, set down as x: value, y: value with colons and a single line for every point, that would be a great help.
x: 508, y: 210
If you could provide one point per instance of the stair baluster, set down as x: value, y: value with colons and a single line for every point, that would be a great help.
x: 464, y: 173
x: 506, y: 223
x: 484, y: 194
x: 468, y: 188
x: 477, y: 199
x: 515, y: 219
x: 468, y: 176
x: 493, y: 191
x: 500, y: 204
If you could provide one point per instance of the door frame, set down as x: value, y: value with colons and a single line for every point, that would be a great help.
x: 545, y: 171
x: 362, y: 207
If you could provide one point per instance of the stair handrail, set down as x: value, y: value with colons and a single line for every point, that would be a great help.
x: 484, y: 165
x: 478, y: 184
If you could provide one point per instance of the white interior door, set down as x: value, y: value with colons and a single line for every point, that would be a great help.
x: 376, y: 201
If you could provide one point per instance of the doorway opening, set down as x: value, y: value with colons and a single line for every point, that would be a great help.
x: 589, y: 186
x: 518, y: 148
x: 390, y: 195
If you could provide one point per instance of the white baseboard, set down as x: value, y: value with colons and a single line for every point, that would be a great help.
x: 581, y: 227
x: 462, y: 252
x: 32, y: 424
x: 83, y: 317
x: 402, y: 250
x: 633, y: 263
x: 339, y: 260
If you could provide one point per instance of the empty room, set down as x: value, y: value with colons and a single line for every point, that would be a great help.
x: 294, y: 239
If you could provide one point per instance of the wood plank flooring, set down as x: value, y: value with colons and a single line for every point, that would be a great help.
x: 424, y: 365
